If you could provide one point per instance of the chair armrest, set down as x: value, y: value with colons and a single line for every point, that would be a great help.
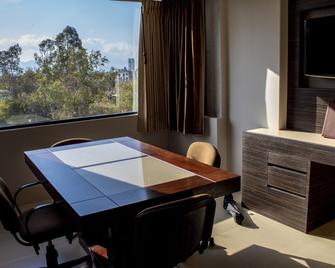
x: 34, y: 210
x: 23, y: 187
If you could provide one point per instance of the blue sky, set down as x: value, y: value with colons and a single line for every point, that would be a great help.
x: 109, y: 26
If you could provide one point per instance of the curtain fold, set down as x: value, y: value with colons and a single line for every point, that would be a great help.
x: 172, y: 66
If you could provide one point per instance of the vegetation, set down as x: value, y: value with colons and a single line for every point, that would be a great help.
x: 68, y: 82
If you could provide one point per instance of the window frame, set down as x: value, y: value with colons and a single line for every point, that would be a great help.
x: 75, y: 119
x: 64, y: 121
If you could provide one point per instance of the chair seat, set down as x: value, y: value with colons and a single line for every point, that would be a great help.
x: 45, y: 224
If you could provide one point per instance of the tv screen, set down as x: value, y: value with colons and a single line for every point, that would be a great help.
x: 320, y: 46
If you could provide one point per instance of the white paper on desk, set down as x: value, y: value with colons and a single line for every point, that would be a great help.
x: 144, y: 171
x: 96, y: 154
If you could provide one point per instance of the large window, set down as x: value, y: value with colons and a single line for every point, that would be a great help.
x: 67, y: 59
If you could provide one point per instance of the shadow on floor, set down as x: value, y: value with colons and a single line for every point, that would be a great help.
x: 253, y: 256
x: 248, y: 222
x: 326, y: 231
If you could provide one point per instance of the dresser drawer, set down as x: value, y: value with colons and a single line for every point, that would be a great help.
x: 287, y: 180
x: 288, y: 161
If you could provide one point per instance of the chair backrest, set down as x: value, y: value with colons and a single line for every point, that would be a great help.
x: 168, y: 234
x: 205, y: 153
x: 8, y: 215
x: 70, y: 141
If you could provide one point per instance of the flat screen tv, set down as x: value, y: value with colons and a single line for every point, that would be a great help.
x: 319, y: 47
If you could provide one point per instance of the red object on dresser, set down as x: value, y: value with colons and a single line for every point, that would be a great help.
x: 328, y: 130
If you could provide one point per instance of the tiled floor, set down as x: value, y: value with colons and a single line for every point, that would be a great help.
x: 269, y: 244
x: 14, y: 255
x: 261, y: 242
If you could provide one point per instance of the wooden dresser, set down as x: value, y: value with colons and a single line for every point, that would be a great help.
x: 289, y: 176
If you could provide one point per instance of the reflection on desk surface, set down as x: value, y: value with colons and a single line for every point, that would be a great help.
x: 96, y: 154
x: 142, y: 171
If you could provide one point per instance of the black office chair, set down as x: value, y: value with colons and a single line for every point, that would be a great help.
x: 167, y: 234
x: 38, y: 225
x: 70, y: 142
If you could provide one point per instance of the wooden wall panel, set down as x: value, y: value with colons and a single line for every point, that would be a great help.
x: 306, y: 104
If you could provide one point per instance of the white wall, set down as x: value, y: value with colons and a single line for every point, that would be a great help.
x: 243, y: 43
x: 248, y: 31
x: 253, y: 47
x: 14, y: 142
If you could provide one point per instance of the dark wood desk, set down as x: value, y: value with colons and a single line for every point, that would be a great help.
x: 100, y: 179
x: 289, y: 176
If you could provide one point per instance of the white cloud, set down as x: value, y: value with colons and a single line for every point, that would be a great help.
x: 28, y: 42
x: 117, y: 47
x: 27, y: 55
x: 120, y: 47
x: 4, y: 42
x: 93, y: 41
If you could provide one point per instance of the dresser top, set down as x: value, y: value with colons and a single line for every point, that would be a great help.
x: 314, y: 138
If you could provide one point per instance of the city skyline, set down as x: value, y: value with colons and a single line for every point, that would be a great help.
x: 109, y: 26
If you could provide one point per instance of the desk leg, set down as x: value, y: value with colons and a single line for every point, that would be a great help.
x: 230, y: 205
x: 110, y: 246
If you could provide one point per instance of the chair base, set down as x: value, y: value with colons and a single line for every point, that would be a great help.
x: 230, y: 205
x: 52, y: 262
x: 76, y: 262
x: 211, y: 242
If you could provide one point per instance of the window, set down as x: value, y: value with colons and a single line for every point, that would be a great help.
x: 67, y: 59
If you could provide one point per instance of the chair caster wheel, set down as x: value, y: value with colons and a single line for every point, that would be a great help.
x: 231, y: 207
x: 211, y: 242
x: 239, y: 219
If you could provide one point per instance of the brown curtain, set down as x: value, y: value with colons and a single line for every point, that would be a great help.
x: 172, y: 66
x: 152, y: 94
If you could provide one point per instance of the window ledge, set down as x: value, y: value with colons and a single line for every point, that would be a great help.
x: 66, y: 121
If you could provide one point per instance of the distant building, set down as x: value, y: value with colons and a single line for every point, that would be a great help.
x: 126, y: 74
x: 4, y: 94
x: 123, y: 75
x: 131, y: 64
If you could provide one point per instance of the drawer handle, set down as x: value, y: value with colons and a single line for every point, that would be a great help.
x: 285, y: 191
x: 290, y: 169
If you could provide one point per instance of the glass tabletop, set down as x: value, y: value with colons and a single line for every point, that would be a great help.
x: 131, y: 174
x: 96, y: 154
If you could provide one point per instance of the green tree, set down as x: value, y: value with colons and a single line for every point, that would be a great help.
x: 10, y: 61
x: 4, y: 107
x: 66, y: 59
x: 10, y: 67
x: 27, y: 81
x: 69, y: 82
x: 126, y: 97
x: 68, y: 77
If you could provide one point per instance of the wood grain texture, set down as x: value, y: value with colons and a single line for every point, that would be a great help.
x: 307, y: 97
x: 287, y: 180
x: 89, y: 200
x: 298, y: 199
x: 211, y: 173
x: 288, y: 161
x: 225, y: 181
x: 256, y: 195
